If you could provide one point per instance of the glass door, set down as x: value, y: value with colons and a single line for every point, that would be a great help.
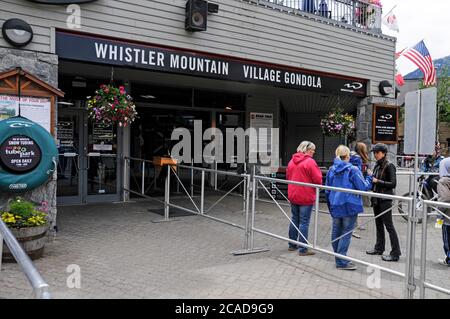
x: 70, y: 137
x: 89, y: 161
x: 102, y: 160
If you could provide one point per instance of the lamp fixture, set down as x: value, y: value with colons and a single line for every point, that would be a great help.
x: 17, y: 32
x: 386, y: 88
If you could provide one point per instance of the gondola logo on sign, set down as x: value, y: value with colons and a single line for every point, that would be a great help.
x: 352, y: 87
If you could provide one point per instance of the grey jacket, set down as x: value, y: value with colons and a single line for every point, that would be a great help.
x: 443, y: 189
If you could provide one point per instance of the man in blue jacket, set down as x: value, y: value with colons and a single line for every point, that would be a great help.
x: 345, y: 207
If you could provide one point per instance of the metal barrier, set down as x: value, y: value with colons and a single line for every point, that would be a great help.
x: 251, y: 183
x: 423, y: 255
x: 40, y: 287
x: 407, y: 162
x: 409, y: 271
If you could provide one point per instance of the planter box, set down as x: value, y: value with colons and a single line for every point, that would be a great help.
x: 32, y: 239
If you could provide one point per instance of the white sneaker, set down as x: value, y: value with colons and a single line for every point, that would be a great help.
x: 443, y: 262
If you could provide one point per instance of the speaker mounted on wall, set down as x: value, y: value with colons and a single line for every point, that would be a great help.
x: 196, y: 15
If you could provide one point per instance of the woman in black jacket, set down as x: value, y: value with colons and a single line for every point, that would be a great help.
x: 384, y: 182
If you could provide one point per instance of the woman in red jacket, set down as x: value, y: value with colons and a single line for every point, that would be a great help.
x: 302, y: 168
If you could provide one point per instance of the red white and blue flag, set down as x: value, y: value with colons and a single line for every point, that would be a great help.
x: 420, y: 56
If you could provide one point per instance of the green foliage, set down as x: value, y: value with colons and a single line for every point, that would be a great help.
x: 23, y: 213
x: 443, y: 95
x: 21, y: 208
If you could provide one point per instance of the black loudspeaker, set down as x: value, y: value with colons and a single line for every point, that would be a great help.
x: 196, y: 15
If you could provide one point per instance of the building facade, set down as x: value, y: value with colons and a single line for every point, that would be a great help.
x: 290, y: 60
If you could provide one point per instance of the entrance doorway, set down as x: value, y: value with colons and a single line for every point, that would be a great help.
x: 89, y: 161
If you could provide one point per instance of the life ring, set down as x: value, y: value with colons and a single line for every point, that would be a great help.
x: 28, y: 155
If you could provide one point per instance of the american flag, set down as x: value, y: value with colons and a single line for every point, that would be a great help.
x: 420, y: 56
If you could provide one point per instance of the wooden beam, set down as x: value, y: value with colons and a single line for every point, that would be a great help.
x: 9, y: 83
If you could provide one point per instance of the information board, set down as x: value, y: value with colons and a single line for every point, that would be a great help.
x: 36, y: 109
x: 385, y: 124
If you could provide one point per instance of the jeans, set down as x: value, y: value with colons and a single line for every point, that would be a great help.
x: 446, y: 239
x: 342, y: 226
x: 301, y: 216
x: 386, y: 221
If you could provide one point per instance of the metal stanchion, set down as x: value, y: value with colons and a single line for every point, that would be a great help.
x: 166, y: 199
x: 250, y: 221
x: 316, y: 217
x: 143, y: 178
x: 215, y: 175
x: 423, y: 252
x: 410, y: 286
x: 202, y: 194
x: 124, y: 192
x: 167, y: 196
x: 192, y: 178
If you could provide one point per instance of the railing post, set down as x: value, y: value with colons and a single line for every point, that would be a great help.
x: 167, y: 195
x: 423, y: 252
x: 202, y: 194
x: 143, y: 178
x: 215, y: 174
x: 252, y: 225
x: 124, y: 180
x: 247, y: 212
x: 410, y: 252
x: 316, y: 217
x: 192, y: 178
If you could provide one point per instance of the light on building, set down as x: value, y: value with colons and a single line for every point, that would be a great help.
x: 17, y: 32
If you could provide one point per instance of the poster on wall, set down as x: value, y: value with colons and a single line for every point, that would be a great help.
x: 385, y: 124
x: 35, y: 109
x: 263, y: 123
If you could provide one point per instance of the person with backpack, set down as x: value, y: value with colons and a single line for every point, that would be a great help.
x: 345, y: 207
x: 443, y: 189
x: 384, y: 182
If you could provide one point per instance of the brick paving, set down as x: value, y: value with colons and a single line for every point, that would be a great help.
x: 122, y: 253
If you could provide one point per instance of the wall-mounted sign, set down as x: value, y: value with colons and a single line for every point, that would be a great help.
x: 95, y: 49
x: 385, y: 124
x: 19, y: 154
x: 36, y: 109
x: 61, y: 1
x: 28, y: 155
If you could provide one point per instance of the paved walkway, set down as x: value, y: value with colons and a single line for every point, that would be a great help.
x: 122, y: 253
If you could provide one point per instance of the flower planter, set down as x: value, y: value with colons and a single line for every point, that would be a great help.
x: 32, y: 239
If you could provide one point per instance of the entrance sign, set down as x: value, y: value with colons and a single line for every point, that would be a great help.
x: 385, y: 124
x: 34, y: 108
x: 91, y: 48
x: 421, y: 112
x: 20, y: 154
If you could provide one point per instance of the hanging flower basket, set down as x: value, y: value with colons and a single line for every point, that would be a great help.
x: 112, y: 105
x: 338, y: 123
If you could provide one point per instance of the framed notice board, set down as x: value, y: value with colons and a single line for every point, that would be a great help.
x: 385, y: 124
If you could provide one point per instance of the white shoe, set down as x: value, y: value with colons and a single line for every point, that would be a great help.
x: 443, y: 262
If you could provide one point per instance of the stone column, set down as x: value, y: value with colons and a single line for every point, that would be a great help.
x: 45, y: 67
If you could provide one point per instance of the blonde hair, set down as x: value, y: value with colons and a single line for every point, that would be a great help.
x: 306, y: 146
x: 342, y: 152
